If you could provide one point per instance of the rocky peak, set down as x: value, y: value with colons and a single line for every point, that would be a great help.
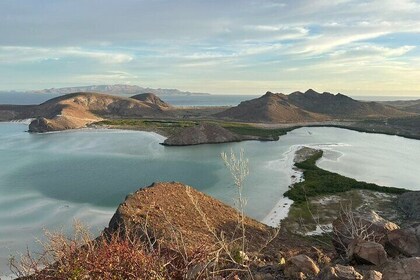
x: 311, y: 92
x: 151, y: 99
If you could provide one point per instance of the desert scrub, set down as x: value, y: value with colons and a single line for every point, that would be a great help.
x: 111, y: 256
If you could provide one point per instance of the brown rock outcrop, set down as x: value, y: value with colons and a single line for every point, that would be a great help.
x: 365, y: 252
x: 164, y: 208
x: 404, y: 269
x: 409, y: 202
x: 406, y: 241
x: 372, y: 275
x: 339, y: 272
x: 300, y: 266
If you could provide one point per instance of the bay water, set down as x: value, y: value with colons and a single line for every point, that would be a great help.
x: 48, y: 180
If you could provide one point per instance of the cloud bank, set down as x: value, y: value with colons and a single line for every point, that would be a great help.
x: 236, y: 46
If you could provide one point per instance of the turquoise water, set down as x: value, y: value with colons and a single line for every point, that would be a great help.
x: 46, y: 181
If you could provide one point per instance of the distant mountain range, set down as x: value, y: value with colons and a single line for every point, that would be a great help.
x: 117, y: 89
x: 307, y: 106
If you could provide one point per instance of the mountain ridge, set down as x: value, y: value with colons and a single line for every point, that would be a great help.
x: 306, y: 106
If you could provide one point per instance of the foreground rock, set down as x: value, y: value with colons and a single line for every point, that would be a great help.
x: 410, y: 203
x: 405, y: 269
x: 339, y: 272
x: 367, y: 252
x: 405, y: 241
x: 300, y: 266
x: 205, y: 133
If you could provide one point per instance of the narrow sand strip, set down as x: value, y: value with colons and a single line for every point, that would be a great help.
x: 281, y: 209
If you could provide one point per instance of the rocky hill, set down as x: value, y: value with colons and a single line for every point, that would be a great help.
x: 77, y: 110
x: 172, y: 231
x: 185, y: 209
x: 309, y: 106
x: 340, y: 106
x: 379, y: 249
x: 205, y: 133
x: 271, y: 107
x: 116, y: 89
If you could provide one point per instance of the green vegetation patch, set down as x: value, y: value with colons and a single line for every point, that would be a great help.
x: 146, y: 123
x: 247, y: 129
x: 320, y: 182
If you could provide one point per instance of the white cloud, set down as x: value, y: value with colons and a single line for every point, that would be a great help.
x: 233, y: 43
x: 19, y: 54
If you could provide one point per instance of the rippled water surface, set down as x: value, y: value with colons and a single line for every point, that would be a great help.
x: 47, y: 181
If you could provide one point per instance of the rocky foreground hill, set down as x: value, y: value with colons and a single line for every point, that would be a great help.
x: 309, y: 106
x: 172, y: 231
x: 366, y: 246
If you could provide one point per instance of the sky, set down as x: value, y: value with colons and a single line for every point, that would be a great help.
x: 221, y: 47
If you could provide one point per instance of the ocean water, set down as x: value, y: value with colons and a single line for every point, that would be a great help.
x: 48, y: 180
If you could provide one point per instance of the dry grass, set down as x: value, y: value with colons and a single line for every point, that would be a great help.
x: 109, y: 257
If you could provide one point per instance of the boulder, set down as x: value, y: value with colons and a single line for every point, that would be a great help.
x: 339, y: 272
x: 404, y: 269
x: 409, y: 202
x: 367, y: 252
x: 405, y: 241
x: 300, y: 265
x: 368, y: 226
x: 372, y: 275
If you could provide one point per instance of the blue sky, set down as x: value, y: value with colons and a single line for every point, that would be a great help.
x: 234, y: 46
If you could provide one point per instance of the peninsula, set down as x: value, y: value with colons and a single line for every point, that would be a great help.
x: 264, y: 118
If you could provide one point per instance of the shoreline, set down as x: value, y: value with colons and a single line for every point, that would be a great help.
x: 263, y: 126
x: 280, y: 210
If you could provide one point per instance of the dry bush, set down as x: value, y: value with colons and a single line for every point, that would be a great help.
x: 111, y: 257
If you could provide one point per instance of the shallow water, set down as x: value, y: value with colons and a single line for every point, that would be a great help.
x: 46, y: 181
